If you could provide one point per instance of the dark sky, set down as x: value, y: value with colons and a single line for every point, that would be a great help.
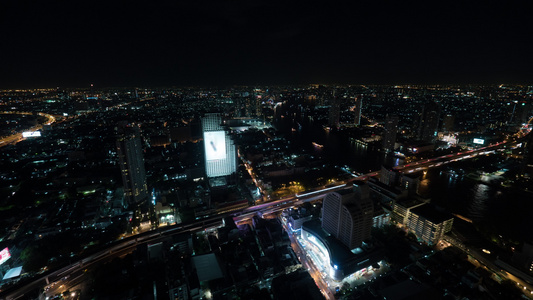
x: 157, y: 43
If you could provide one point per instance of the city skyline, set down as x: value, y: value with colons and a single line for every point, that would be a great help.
x: 233, y: 43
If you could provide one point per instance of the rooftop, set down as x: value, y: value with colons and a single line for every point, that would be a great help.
x: 207, y: 267
x: 341, y: 255
x: 430, y: 213
x: 409, y: 202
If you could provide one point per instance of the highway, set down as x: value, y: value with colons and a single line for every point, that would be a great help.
x: 73, y: 272
x: 445, y: 159
x: 16, y: 137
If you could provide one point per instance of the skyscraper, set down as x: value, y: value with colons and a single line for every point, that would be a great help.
x: 389, y: 175
x: 448, y: 123
x: 347, y: 215
x: 131, y: 160
x: 357, y: 109
x: 520, y: 112
x: 527, y: 162
x: 220, y: 154
x: 429, y: 122
x: 334, y: 112
x: 389, y: 134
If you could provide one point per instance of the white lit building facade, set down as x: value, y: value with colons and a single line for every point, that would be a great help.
x: 332, y: 257
x: 428, y: 224
x: 220, y: 153
x: 347, y: 215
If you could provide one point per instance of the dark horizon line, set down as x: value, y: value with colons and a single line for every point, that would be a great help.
x: 328, y: 84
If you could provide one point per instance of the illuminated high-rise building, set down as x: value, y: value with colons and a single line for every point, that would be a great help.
x: 220, y: 153
x: 429, y: 122
x: 521, y: 112
x: 334, y: 112
x: 347, y: 215
x: 131, y: 160
x: 389, y: 134
x: 357, y: 110
x: 527, y: 162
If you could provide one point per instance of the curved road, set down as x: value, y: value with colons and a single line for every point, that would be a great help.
x: 14, y: 138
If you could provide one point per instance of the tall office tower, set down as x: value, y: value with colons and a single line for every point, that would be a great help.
x: 334, y: 112
x: 239, y: 104
x: 389, y: 175
x: 389, y: 135
x: 347, y: 215
x: 130, y: 155
x: 258, y: 105
x: 220, y: 153
x: 448, y: 123
x: 321, y: 100
x: 249, y: 107
x: 527, y: 162
x: 357, y: 109
x: 521, y: 112
x: 429, y: 122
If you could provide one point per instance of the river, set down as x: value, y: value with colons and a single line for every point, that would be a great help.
x: 497, y: 209
x: 335, y: 147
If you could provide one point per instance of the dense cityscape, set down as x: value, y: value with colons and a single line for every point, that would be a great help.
x: 267, y: 192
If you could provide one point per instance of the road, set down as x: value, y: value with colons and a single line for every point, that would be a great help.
x: 315, y: 273
x: 445, y: 159
x: 16, y: 137
x: 118, y: 248
x: 456, y: 240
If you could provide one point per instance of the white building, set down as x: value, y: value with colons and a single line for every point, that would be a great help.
x: 220, y: 153
x: 348, y: 215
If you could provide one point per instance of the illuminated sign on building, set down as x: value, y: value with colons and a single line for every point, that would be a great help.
x: 479, y: 141
x: 27, y: 134
x: 4, y: 255
x: 215, y: 145
x: 220, y: 151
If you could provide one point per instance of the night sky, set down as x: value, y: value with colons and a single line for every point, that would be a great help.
x: 162, y: 43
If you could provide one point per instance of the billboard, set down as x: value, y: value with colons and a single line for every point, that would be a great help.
x: 215, y: 145
x: 4, y: 255
x: 479, y: 141
x: 27, y: 134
